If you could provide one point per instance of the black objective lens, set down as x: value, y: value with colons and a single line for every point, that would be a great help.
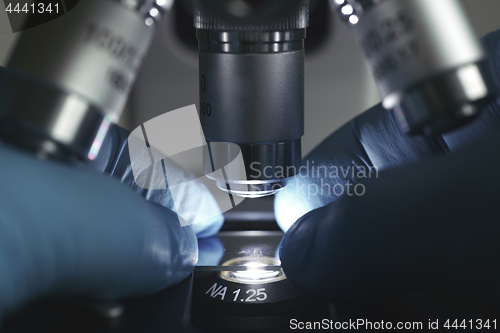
x: 252, y: 95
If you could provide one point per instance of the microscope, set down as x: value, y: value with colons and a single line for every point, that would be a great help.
x: 251, y: 83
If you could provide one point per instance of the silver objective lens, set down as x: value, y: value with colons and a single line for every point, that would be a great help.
x: 68, y: 79
x: 425, y: 57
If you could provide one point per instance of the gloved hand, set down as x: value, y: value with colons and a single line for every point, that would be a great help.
x: 68, y: 231
x: 425, y: 212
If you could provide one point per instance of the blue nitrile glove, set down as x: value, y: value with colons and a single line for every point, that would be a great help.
x: 114, y: 160
x: 73, y: 232
x: 425, y: 210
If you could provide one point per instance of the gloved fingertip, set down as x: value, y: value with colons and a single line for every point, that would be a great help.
x: 209, y: 227
x: 301, y: 249
x: 145, y: 251
x: 290, y: 205
x: 172, y: 249
x: 211, y: 251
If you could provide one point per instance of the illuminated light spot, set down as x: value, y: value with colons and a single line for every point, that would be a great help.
x: 347, y: 10
x: 154, y: 12
x: 256, y: 270
x: 469, y: 110
x: 353, y: 19
x: 472, y: 81
x: 101, y: 135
